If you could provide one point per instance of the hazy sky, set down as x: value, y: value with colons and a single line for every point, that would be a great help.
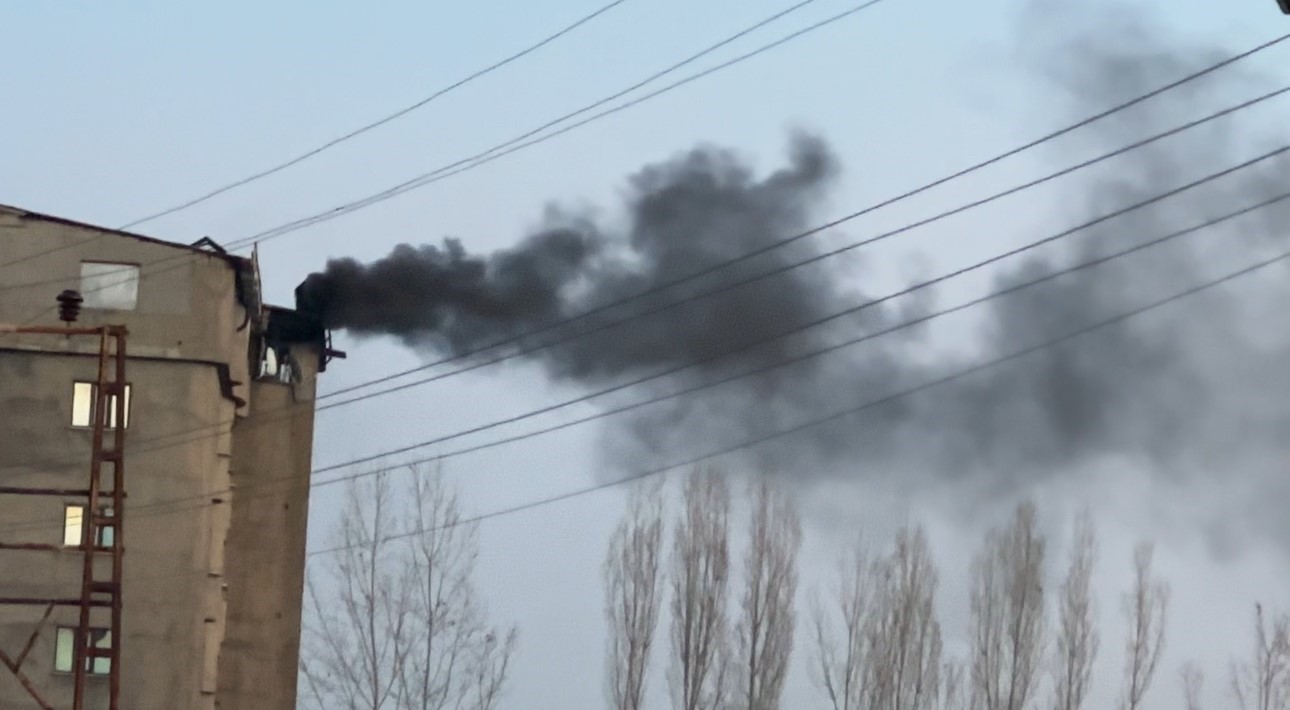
x: 114, y: 111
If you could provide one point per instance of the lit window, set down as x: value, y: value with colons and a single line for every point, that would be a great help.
x: 110, y: 286
x: 83, y: 394
x: 65, y: 651
x: 74, y: 526
x: 73, y: 519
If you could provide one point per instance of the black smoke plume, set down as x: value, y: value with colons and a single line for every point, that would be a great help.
x: 1200, y: 388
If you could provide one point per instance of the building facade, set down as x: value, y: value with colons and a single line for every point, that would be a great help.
x: 218, y: 431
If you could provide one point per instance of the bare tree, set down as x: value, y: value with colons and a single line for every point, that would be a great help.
x: 1145, y: 608
x: 700, y: 576
x: 1077, y: 639
x: 1192, y: 682
x: 1007, y: 614
x: 879, y: 642
x: 355, y: 638
x: 402, y: 627
x: 456, y: 659
x: 632, y: 597
x: 1264, y: 682
x: 768, y: 620
x: 904, y: 636
x: 841, y: 634
x: 953, y: 687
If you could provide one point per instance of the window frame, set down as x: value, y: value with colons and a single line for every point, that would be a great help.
x: 89, y: 295
x: 101, y: 533
x: 95, y: 667
x: 110, y: 425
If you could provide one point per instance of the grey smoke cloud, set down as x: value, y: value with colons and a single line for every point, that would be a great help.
x: 699, y: 208
x: 1186, y: 391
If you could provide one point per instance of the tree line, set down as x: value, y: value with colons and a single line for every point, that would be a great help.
x: 394, y: 622
x: 873, y: 634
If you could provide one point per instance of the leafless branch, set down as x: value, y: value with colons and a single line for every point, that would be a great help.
x: 768, y: 620
x: 400, y: 626
x: 953, y: 687
x: 1077, y: 638
x: 1263, y: 683
x: 1008, y: 614
x: 904, y: 637
x: 1192, y: 682
x: 632, y: 597
x: 358, y: 641
x: 700, y: 576
x: 840, y: 630
x: 1145, y: 608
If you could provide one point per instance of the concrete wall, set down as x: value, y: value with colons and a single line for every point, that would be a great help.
x: 168, y: 584
x: 266, y: 560
x: 213, y: 566
x: 187, y: 299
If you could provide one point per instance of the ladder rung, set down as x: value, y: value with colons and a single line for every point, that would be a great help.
x: 103, y: 520
x: 104, y: 587
x: 112, y: 388
x: 96, y: 652
x: 110, y: 455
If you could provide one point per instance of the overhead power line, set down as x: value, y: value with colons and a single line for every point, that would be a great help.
x: 381, y: 121
x: 283, y: 230
x: 163, y: 507
x: 339, y: 139
x: 843, y: 414
x: 519, y: 143
x: 858, y: 409
x: 922, y: 285
x: 293, y: 225
x: 791, y: 266
x: 213, y: 430
x: 714, y: 268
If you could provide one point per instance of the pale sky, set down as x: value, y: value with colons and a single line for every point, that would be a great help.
x: 116, y: 111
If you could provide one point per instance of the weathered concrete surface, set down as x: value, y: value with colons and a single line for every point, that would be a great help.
x: 168, y: 590
x: 266, y: 564
x: 213, y: 566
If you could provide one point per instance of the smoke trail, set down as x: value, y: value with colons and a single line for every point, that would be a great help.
x: 444, y: 298
x: 700, y: 208
x: 1178, y: 392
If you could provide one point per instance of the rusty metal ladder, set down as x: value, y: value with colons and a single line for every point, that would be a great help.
x: 95, y: 592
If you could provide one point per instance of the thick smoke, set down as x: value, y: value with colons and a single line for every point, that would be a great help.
x: 1198, y: 388
x: 700, y: 208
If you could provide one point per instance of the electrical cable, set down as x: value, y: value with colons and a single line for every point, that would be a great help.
x: 263, y: 236
x: 158, y: 507
x: 487, y: 156
x: 858, y: 409
x: 784, y: 268
x: 797, y: 237
x: 340, y: 139
x: 382, y: 121
x: 836, y: 416
x: 791, y: 266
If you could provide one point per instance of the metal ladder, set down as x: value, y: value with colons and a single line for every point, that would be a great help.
x: 104, y: 593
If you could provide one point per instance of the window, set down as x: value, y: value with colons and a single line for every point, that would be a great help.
x: 83, y: 394
x: 269, y: 365
x: 277, y: 367
x: 109, y: 286
x: 65, y: 651
x: 74, y: 525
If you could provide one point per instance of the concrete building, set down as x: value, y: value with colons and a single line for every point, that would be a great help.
x: 219, y: 430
